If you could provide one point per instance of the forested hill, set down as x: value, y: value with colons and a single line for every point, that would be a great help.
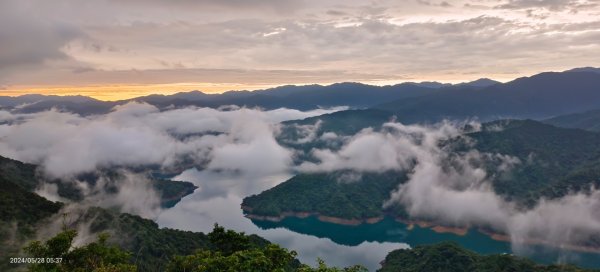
x: 23, y: 213
x: 449, y: 257
x: 588, y: 120
x: 139, y: 244
x: 132, y: 244
x: 327, y: 194
x: 29, y: 177
x: 552, y: 162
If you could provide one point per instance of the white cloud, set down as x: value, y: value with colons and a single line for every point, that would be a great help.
x: 139, y: 134
x: 455, y: 189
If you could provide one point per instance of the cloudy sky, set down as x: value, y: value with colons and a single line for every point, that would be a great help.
x: 114, y: 49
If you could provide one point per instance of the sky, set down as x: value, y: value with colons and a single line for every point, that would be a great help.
x: 116, y: 49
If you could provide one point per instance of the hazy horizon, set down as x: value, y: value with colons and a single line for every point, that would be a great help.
x: 111, y: 93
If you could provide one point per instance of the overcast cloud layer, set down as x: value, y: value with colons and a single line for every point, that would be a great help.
x: 67, y: 42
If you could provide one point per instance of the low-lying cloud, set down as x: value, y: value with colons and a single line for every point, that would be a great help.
x: 135, y: 134
x: 448, y: 187
x: 455, y: 188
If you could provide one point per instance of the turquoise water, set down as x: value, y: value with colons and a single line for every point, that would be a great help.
x: 389, y: 230
x: 219, y: 196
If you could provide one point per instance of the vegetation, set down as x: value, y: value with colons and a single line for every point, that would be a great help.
x: 171, y: 191
x: 342, y: 122
x: 552, y: 162
x: 20, y: 213
x: 589, y: 120
x: 151, y: 245
x: 328, y: 194
x: 23, y: 207
x: 19, y: 173
x: 228, y: 251
x: 449, y: 257
x: 57, y: 254
x: 232, y: 251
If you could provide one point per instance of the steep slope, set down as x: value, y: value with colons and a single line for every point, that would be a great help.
x: 19, y: 173
x: 23, y: 213
x: 20, y: 214
x: 552, y: 160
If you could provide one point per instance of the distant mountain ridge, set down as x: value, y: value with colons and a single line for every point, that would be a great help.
x: 589, y: 120
x: 540, y: 96
x: 537, y: 97
x: 355, y: 95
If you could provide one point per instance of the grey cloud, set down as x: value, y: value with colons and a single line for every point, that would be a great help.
x: 548, y: 4
x: 425, y: 47
x: 430, y: 3
x: 277, y: 5
x: 29, y: 39
x: 316, y: 42
x: 336, y: 13
x: 244, y: 77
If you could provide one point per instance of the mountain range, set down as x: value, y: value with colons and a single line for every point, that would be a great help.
x: 540, y: 96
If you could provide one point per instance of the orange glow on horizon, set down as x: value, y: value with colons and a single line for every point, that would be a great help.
x: 114, y: 92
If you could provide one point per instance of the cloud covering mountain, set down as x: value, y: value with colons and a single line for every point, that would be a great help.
x: 137, y: 134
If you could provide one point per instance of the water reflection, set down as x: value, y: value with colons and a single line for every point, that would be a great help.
x: 219, y: 196
x: 218, y: 199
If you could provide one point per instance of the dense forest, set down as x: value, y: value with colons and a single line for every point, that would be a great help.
x: 449, y: 257
x: 227, y: 250
x: 124, y: 242
x: 223, y: 250
x: 552, y: 162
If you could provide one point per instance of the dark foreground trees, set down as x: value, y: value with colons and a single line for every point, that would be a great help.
x: 227, y: 251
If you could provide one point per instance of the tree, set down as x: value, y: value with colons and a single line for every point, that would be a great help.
x: 58, y: 255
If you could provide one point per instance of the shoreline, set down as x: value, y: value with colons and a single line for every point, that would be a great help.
x: 536, y: 241
x: 322, y: 218
x: 459, y: 231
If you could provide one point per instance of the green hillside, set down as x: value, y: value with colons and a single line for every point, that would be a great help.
x: 328, y: 195
x: 20, y: 214
x: 449, y: 257
x: 553, y: 161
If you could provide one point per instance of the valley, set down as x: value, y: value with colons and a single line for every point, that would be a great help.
x: 349, y: 184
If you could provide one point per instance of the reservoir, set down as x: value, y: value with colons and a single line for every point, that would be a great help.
x: 218, y: 199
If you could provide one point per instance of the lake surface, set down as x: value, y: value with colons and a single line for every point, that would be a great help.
x: 218, y: 199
